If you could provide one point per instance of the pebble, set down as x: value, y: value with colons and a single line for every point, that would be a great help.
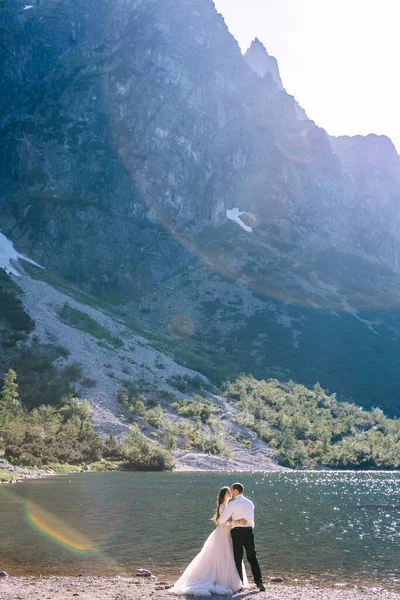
x: 144, y: 573
x: 121, y: 588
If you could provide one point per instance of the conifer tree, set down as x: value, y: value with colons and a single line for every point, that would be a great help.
x: 9, y: 398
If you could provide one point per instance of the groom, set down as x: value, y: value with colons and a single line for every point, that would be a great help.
x: 242, y: 535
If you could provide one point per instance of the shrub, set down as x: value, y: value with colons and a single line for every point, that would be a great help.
x: 73, y: 371
x: 199, y: 411
x: 40, y: 381
x: 111, y: 447
x: 155, y: 417
x: 15, y: 323
x: 170, y: 437
x: 307, y: 427
x: 47, y: 435
x: 81, y: 320
x: 194, y: 437
x: 187, y: 384
x: 142, y: 455
x: 158, y: 363
x: 88, y: 383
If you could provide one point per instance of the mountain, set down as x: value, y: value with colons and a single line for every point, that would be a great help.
x: 151, y: 164
x: 262, y: 63
x: 77, y: 345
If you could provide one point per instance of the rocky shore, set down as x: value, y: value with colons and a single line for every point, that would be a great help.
x: 185, y: 461
x: 12, y: 474
x: 136, y: 588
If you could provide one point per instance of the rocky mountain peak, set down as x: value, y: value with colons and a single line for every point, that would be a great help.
x: 261, y: 62
x: 372, y: 150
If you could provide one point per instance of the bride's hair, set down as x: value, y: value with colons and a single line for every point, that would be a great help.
x: 220, y: 499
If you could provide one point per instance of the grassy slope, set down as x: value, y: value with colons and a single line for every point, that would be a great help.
x: 329, y: 315
x: 307, y: 427
x: 344, y: 353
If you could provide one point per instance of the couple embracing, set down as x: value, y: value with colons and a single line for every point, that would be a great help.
x: 219, y: 568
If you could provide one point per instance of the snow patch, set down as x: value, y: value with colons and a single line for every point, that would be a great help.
x: 8, y: 253
x: 234, y: 215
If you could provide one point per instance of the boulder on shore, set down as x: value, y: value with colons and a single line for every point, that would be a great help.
x: 143, y: 573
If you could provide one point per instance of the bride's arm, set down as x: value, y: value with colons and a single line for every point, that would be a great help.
x: 233, y: 523
x: 239, y: 522
x: 225, y: 514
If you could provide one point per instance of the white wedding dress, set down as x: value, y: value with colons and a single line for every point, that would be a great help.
x: 213, y: 570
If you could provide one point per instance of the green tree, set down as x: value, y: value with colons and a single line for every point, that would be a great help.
x: 141, y: 454
x: 9, y: 398
x: 170, y: 437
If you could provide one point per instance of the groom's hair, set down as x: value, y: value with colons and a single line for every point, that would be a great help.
x: 239, y: 487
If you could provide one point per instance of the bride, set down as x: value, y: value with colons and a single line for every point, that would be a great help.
x: 213, y: 570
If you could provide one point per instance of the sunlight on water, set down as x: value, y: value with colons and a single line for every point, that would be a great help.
x: 350, y: 520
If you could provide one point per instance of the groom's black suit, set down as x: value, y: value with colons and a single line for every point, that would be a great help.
x: 243, y: 537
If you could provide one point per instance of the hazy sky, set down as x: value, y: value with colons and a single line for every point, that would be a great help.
x: 339, y: 58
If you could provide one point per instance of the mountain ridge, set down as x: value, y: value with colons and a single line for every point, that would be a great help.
x: 129, y: 131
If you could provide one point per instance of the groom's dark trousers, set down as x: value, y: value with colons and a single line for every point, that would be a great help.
x: 243, y: 537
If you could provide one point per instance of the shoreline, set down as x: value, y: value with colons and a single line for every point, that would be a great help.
x: 21, y: 474
x: 136, y: 588
x: 13, y: 474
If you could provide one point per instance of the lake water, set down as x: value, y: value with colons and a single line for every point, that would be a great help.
x: 341, y: 526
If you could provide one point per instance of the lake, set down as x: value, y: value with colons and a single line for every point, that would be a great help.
x: 340, y: 526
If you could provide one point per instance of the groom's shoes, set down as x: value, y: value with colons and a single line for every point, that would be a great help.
x: 261, y: 587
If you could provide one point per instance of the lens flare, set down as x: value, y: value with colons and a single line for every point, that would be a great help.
x: 292, y: 156
x: 249, y: 219
x: 57, y: 531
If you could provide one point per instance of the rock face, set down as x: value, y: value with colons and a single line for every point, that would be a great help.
x: 148, y: 122
x: 261, y: 62
x: 129, y: 129
x: 373, y: 168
